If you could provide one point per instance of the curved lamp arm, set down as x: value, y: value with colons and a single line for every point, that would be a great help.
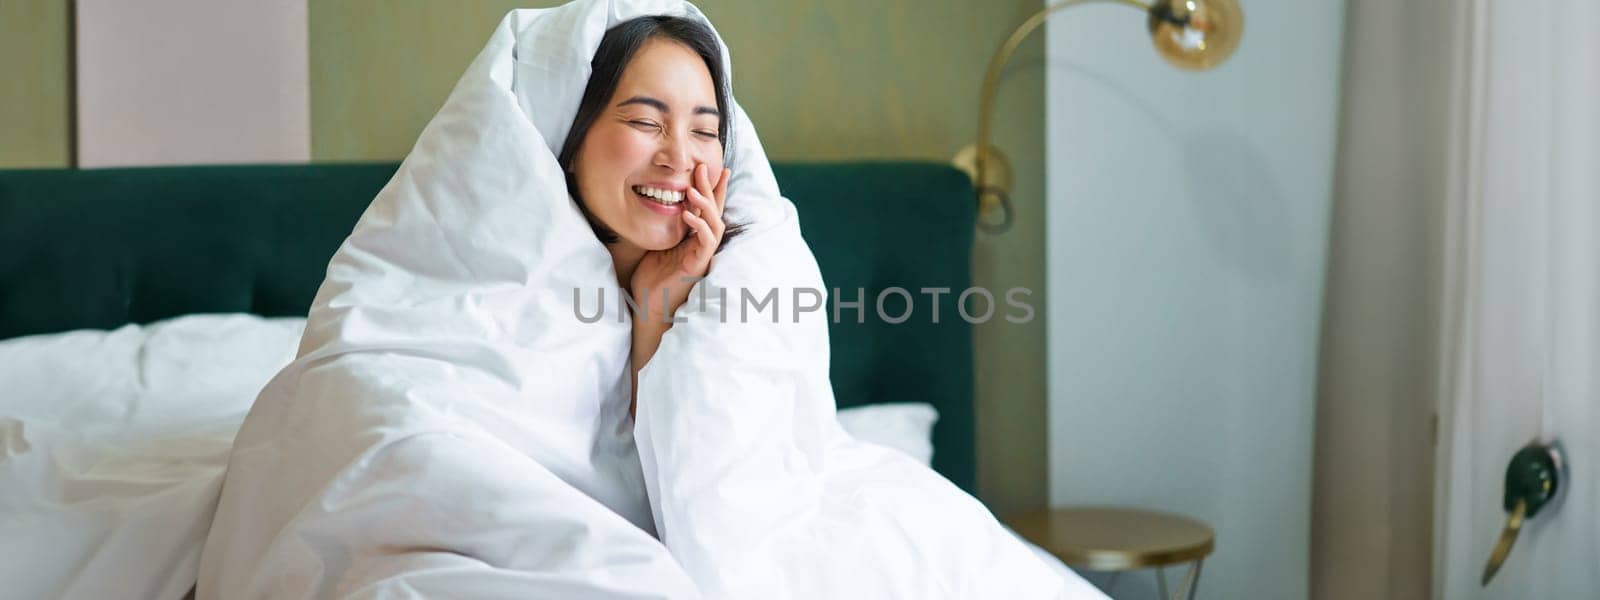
x: 1189, y: 34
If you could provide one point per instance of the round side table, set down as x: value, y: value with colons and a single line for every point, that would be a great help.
x: 1120, y: 539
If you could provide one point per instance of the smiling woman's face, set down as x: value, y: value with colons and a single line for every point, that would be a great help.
x: 661, y: 122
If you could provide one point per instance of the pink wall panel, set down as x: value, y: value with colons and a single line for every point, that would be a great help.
x: 192, y: 81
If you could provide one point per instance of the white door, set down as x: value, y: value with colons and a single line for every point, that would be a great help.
x: 1521, y: 298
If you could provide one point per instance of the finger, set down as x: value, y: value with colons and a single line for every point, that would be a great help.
x: 721, y: 191
x: 693, y: 222
x: 708, y: 238
x: 707, y: 243
x: 691, y: 238
x: 702, y: 230
x: 702, y: 178
x: 707, y: 211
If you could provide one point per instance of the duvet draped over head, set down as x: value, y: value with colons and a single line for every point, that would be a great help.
x: 452, y: 428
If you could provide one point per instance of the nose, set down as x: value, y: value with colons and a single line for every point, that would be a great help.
x: 675, y: 154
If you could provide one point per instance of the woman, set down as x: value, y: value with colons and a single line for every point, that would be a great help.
x: 644, y: 162
x: 453, y: 428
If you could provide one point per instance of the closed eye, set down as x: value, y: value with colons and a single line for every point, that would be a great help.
x: 640, y: 123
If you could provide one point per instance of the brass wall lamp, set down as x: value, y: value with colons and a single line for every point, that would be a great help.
x: 1193, y: 35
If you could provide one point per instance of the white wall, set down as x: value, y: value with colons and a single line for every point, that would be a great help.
x: 1187, y: 230
x: 192, y: 82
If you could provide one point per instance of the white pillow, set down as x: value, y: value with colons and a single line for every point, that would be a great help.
x: 903, y: 426
x: 113, y: 445
x: 168, y: 376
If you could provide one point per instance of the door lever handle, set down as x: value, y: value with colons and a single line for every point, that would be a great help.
x: 1508, y: 537
x: 1533, y: 479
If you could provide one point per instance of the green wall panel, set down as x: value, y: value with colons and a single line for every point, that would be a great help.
x: 35, y: 102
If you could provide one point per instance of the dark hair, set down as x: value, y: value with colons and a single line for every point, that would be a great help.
x: 616, y: 50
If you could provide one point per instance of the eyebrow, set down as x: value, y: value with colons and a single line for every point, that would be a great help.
x: 662, y: 106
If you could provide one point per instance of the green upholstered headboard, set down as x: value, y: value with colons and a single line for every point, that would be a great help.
x: 95, y: 249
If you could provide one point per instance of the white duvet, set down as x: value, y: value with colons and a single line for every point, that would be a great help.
x: 113, y: 445
x: 450, y: 428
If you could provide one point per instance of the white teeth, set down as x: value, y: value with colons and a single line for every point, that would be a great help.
x: 660, y: 195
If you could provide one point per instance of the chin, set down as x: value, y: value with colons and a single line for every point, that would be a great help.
x: 657, y: 239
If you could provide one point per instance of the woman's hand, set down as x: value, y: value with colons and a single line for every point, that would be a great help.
x: 676, y: 268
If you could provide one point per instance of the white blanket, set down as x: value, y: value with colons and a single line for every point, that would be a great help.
x: 451, y: 428
x: 112, y: 450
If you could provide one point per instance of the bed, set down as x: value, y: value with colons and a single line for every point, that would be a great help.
x: 106, y: 249
x: 96, y: 249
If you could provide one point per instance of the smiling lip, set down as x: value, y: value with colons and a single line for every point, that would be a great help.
x: 662, y: 185
x: 657, y: 207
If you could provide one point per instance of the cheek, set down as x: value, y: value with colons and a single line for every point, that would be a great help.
x: 712, y: 157
x: 614, y: 155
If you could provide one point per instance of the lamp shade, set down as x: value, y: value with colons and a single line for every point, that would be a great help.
x: 1196, y: 34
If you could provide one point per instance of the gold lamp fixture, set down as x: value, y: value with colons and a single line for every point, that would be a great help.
x: 1193, y: 35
